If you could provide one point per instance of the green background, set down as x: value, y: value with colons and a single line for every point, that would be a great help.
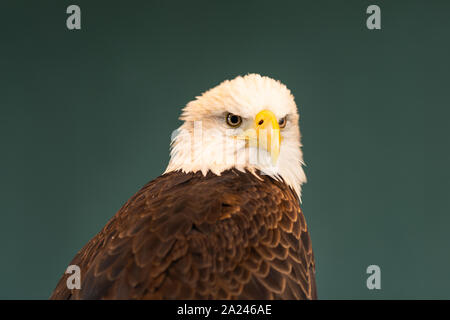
x: 86, y: 118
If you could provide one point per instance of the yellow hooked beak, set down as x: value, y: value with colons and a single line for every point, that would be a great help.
x: 265, y: 134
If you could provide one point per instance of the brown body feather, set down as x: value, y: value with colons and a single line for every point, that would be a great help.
x: 186, y: 236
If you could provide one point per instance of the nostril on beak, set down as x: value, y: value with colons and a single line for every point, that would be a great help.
x: 260, y: 122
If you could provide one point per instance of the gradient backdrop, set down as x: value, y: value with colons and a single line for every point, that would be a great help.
x: 86, y: 118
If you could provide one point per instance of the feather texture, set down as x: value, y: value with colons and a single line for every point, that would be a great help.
x: 189, y: 236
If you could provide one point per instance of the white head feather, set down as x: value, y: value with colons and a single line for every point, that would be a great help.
x: 204, y: 142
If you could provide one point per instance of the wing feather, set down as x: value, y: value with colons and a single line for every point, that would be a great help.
x: 189, y: 236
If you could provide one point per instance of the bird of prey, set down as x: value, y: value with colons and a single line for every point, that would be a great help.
x: 224, y: 220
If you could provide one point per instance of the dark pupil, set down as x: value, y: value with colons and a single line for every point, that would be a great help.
x: 234, y: 119
x: 281, y: 122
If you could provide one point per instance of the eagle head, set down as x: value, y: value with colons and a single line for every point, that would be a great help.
x: 249, y: 123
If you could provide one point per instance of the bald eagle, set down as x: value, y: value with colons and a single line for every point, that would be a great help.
x: 224, y: 220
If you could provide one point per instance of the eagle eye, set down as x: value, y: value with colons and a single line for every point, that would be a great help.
x: 282, y: 122
x: 234, y: 120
